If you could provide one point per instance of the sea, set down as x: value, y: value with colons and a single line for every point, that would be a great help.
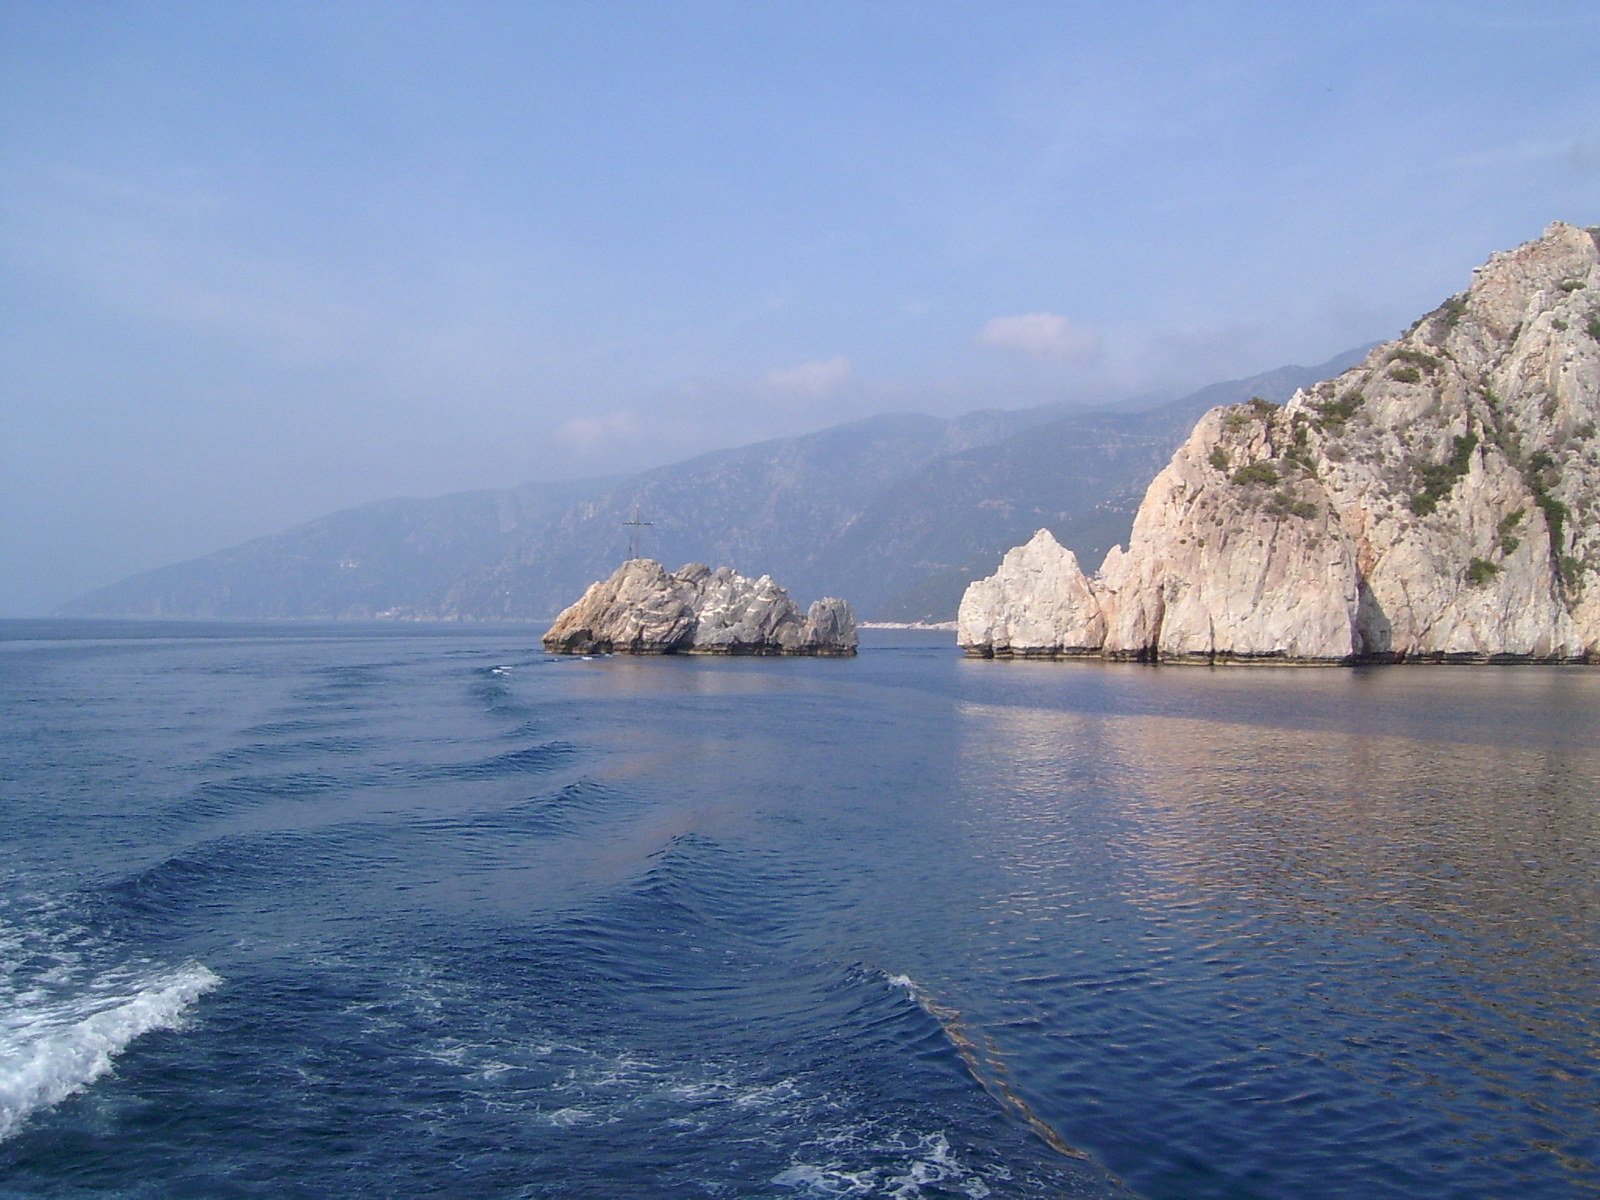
x: 394, y: 910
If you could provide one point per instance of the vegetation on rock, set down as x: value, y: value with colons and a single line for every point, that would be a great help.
x: 1439, y: 479
x: 1335, y: 413
x: 1256, y: 472
x: 1509, y: 540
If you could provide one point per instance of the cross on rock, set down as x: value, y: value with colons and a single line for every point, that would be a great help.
x: 633, y: 532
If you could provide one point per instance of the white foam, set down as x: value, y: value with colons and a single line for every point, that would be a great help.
x: 826, y: 1180
x: 566, y: 1118
x: 914, y: 1163
x: 53, y: 1047
x: 937, y: 1167
x: 782, y: 1092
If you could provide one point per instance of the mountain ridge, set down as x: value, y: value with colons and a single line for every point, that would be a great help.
x: 847, y: 510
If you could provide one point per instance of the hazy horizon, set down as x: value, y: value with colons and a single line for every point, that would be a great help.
x: 262, y: 263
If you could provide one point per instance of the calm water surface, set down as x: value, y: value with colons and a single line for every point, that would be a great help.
x: 377, y: 911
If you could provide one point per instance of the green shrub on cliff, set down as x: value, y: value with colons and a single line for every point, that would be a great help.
x: 1256, y: 472
x: 1508, y: 540
x: 1416, y: 358
x: 1438, y: 479
x: 1335, y: 413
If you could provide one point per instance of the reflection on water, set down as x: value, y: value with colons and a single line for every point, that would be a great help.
x: 1299, y: 924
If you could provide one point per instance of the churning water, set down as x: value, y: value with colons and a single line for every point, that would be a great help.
x: 379, y: 911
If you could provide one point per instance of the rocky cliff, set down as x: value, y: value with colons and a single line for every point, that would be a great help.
x: 1435, y: 502
x: 642, y: 609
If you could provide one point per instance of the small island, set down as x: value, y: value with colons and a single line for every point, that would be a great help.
x: 644, y: 609
x: 1436, y: 503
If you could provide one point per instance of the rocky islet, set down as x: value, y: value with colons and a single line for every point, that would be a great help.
x: 1435, y: 503
x: 644, y: 609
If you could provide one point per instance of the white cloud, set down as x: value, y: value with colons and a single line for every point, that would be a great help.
x: 588, y: 433
x: 817, y: 377
x: 1043, y: 335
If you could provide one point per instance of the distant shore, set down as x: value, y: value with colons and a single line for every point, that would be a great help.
x: 948, y: 626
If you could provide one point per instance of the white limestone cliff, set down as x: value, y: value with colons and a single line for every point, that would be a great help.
x: 1038, y: 604
x: 1436, y: 502
x: 642, y: 609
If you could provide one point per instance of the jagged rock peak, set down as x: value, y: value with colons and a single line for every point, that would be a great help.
x: 1020, y: 608
x: 642, y: 609
x: 1436, y: 502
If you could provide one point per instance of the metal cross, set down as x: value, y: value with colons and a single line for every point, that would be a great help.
x: 633, y: 532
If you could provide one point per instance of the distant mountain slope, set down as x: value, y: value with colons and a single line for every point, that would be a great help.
x: 389, y: 558
x: 769, y: 508
x: 1081, y: 476
x: 526, y: 552
x: 895, y: 513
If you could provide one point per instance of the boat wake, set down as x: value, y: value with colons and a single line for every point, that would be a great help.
x: 64, y: 1020
x: 986, y: 1065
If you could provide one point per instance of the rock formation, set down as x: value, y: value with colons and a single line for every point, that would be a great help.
x: 1038, y: 605
x: 642, y: 609
x: 1436, y: 502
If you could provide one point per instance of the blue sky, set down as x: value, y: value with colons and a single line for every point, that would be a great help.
x: 262, y: 261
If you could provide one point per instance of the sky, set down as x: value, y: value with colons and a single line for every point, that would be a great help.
x: 262, y: 261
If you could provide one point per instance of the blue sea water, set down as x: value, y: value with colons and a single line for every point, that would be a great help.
x: 391, y: 911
